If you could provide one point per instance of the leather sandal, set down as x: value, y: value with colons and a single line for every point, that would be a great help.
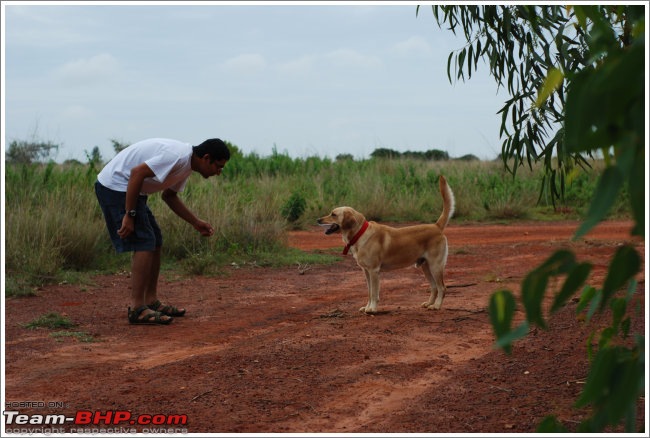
x: 167, y: 309
x: 153, y: 318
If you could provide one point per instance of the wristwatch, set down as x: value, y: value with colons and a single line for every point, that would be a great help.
x: 131, y: 213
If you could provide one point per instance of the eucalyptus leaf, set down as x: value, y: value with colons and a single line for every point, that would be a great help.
x: 596, y: 103
x: 552, y: 82
x: 532, y: 294
x: 609, y: 185
x: 576, y: 278
x: 625, y: 264
x: 501, y: 309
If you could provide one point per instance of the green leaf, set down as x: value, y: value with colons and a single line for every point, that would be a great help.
x: 533, y: 287
x: 595, y: 304
x: 501, y: 309
x: 552, y: 82
x: 560, y: 262
x: 625, y: 327
x: 619, y: 307
x: 590, y: 348
x: 550, y: 424
x: 574, y: 280
x: 505, y: 341
x: 451, y: 55
x: 609, y: 185
x: 631, y: 289
x: 606, y: 336
x: 532, y: 294
x: 614, y: 383
x: 587, y: 295
x: 581, y: 16
x: 625, y: 264
x: 637, y: 190
x: 601, y: 369
x: 461, y: 62
x: 601, y: 100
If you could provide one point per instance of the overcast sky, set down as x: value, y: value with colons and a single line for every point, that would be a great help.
x: 309, y: 80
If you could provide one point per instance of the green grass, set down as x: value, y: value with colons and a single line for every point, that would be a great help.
x: 79, y: 336
x: 55, y: 321
x: 55, y: 231
x: 50, y: 320
x: 211, y: 264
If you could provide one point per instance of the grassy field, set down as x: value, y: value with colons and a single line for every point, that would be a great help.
x: 55, y: 231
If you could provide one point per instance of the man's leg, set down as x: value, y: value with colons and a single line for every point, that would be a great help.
x: 143, y: 265
x: 151, y: 286
x: 151, y: 289
x: 140, y: 268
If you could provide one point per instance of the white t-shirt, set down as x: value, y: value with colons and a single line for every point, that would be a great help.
x: 170, y: 161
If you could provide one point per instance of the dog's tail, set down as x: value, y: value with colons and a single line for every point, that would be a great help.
x: 448, y: 204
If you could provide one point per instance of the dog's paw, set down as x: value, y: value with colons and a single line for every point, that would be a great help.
x: 429, y: 306
x: 367, y: 309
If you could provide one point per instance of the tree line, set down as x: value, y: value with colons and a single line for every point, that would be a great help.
x: 35, y: 151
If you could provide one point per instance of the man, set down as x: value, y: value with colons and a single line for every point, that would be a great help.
x: 146, y: 167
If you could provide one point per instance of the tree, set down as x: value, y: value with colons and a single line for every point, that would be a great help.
x: 468, y: 157
x: 385, y: 153
x: 94, y: 157
x: 432, y: 154
x: 118, y: 145
x: 575, y: 76
x: 436, y: 155
x: 27, y: 152
x: 344, y: 157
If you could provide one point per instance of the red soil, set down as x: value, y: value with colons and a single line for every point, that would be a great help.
x: 286, y: 350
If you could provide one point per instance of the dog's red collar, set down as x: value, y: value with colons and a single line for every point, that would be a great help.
x: 356, y: 237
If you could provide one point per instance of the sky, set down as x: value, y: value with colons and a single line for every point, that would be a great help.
x: 303, y: 79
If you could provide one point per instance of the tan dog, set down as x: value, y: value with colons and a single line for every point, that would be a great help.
x: 378, y: 247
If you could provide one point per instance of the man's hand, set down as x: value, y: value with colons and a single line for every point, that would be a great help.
x: 204, y: 228
x: 174, y: 202
x: 128, y: 226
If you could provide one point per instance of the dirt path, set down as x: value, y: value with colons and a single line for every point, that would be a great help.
x: 282, y: 351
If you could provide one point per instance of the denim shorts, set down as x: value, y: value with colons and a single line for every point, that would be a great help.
x: 147, y: 235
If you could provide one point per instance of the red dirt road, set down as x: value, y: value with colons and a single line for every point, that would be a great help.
x: 286, y: 350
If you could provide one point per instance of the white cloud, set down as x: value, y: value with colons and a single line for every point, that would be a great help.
x: 352, y: 58
x: 249, y: 63
x: 377, y: 74
x: 89, y: 71
x: 76, y: 112
x: 347, y: 59
x: 45, y: 27
x: 298, y: 66
x: 415, y: 45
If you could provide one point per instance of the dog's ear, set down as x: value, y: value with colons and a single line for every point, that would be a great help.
x: 349, y: 220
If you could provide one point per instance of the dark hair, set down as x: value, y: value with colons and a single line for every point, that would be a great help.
x: 216, y: 148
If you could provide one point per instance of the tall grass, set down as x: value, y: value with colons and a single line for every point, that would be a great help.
x: 54, y: 224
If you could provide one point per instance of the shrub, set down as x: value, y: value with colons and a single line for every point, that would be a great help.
x: 295, y: 206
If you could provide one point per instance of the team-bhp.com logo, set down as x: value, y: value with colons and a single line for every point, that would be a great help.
x: 89, y: 419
